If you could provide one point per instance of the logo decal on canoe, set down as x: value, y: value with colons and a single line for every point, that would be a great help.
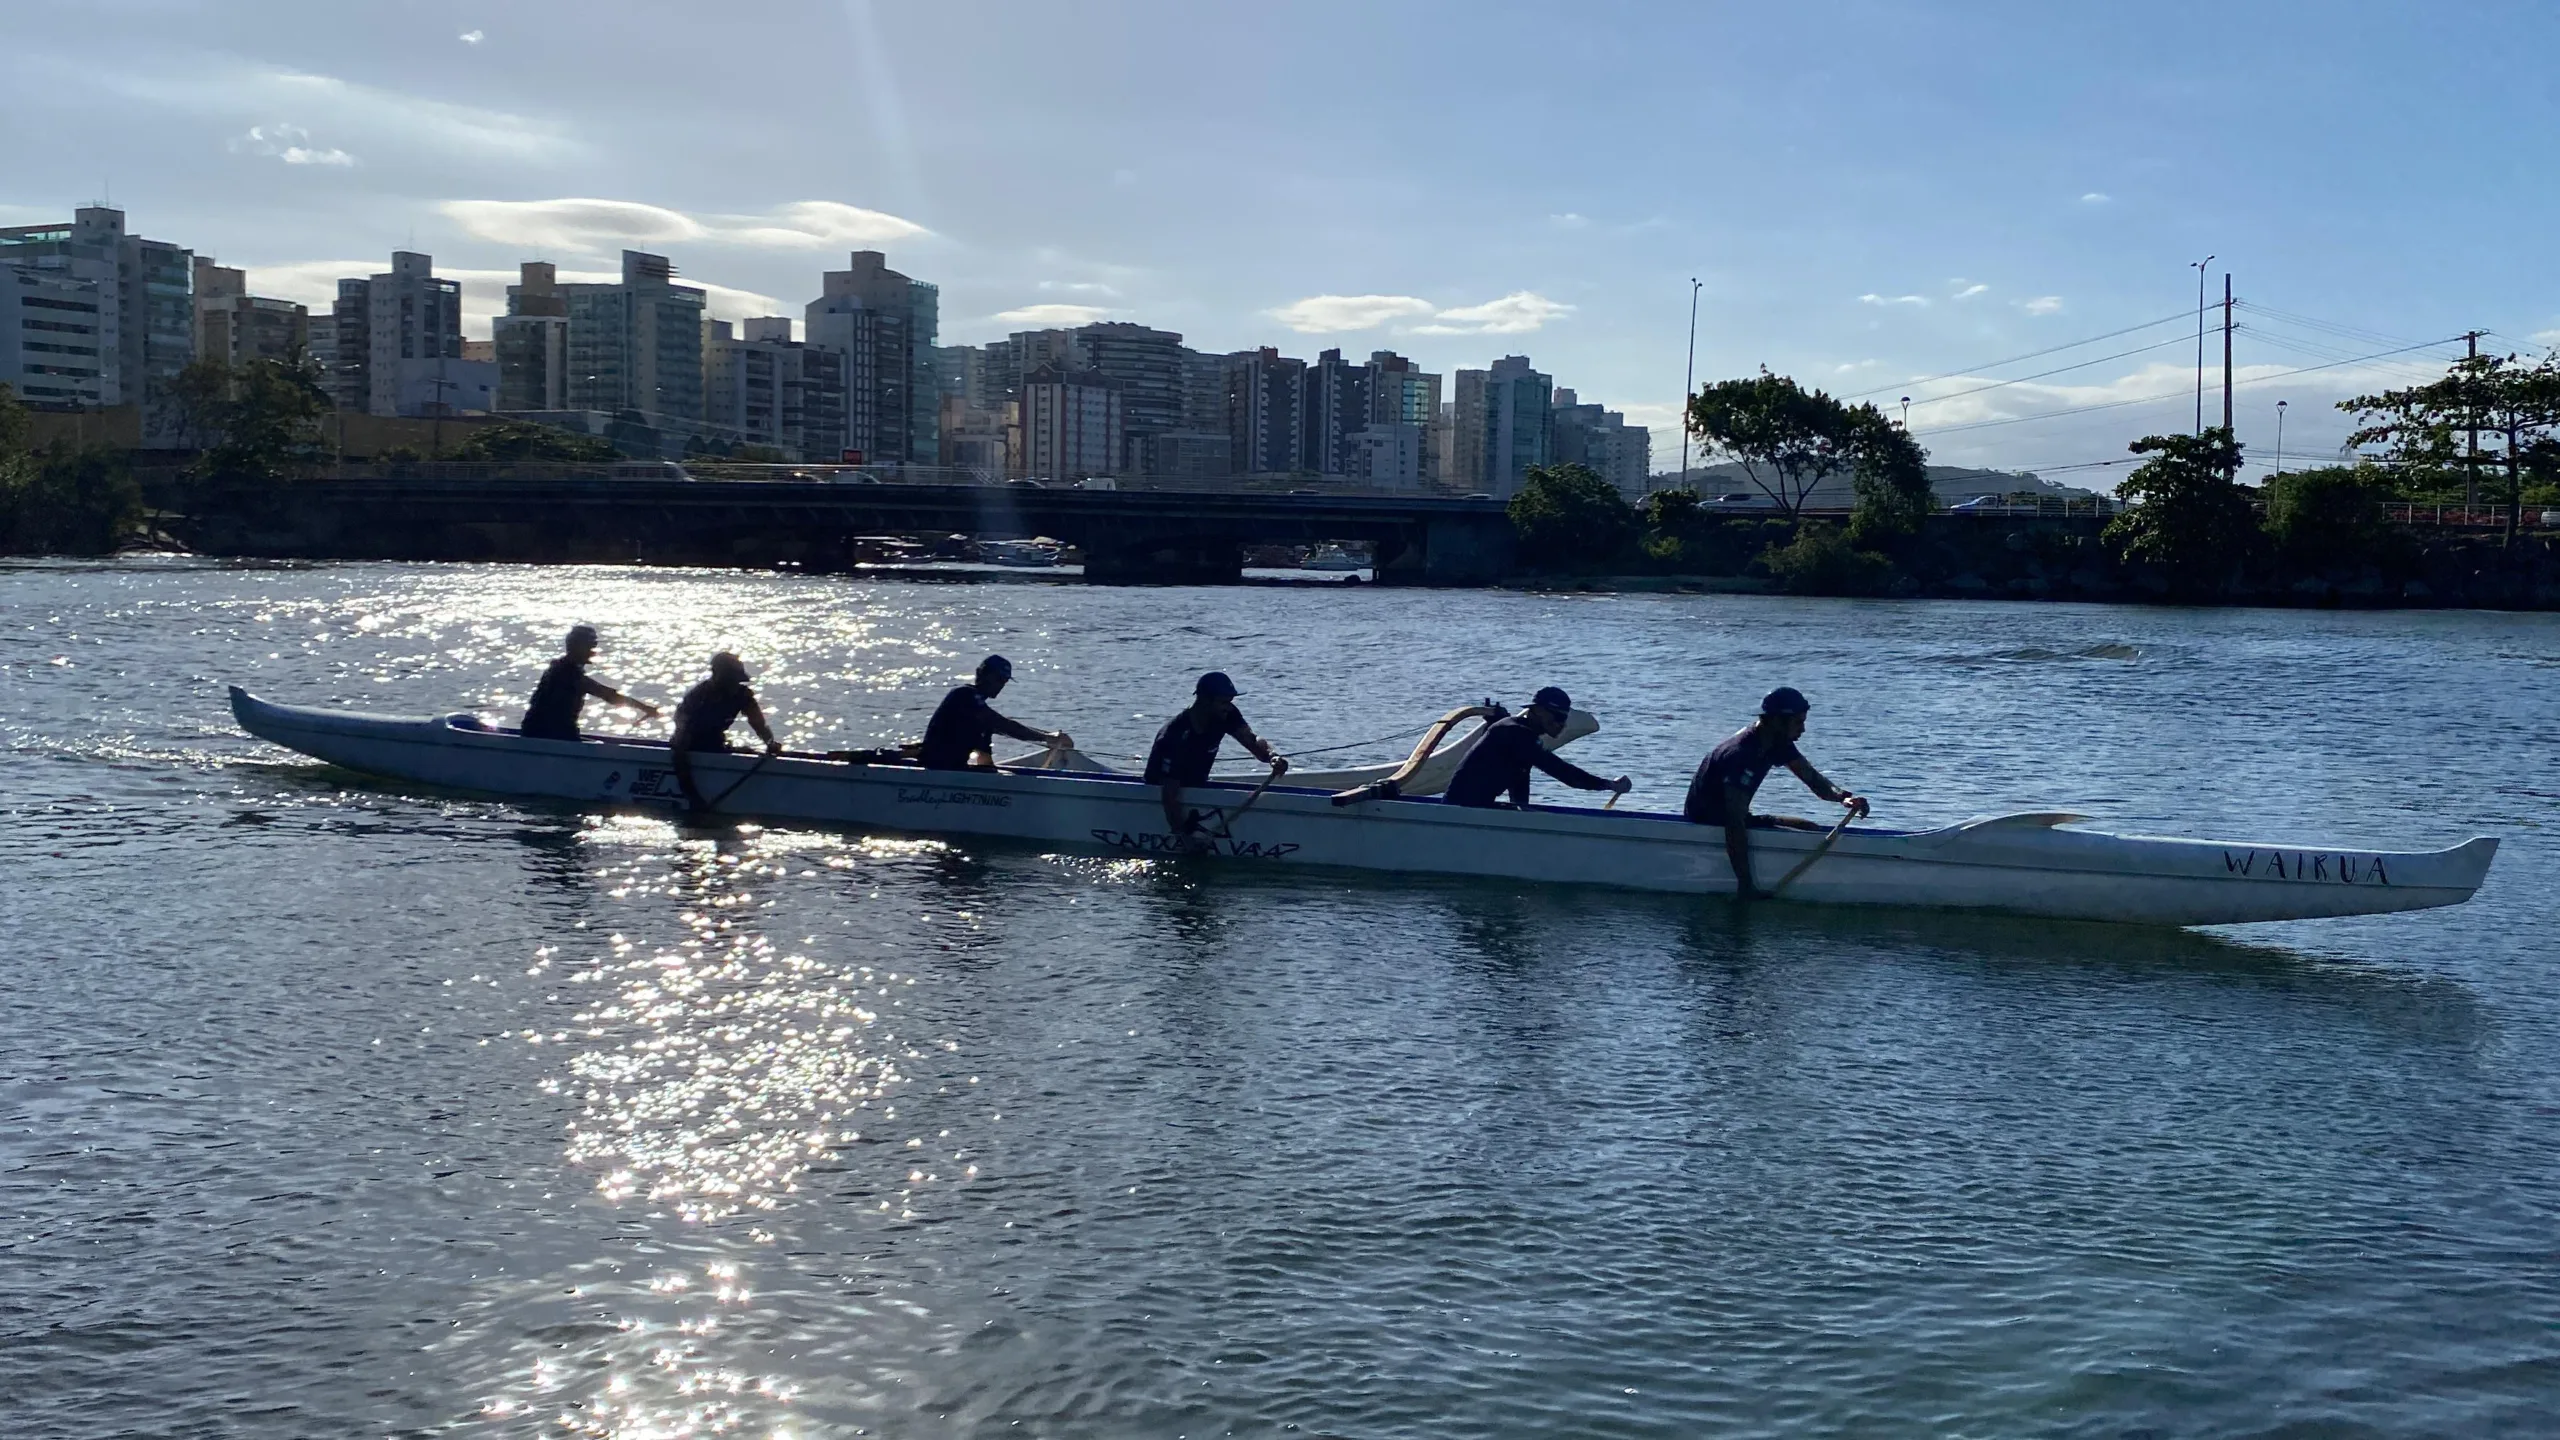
x: 2315, y: 866
x: 654, y: 785
x: 927, y: 795
x: 1148, y: 842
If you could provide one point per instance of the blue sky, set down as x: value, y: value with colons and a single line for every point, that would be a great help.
x: 1870, y: 193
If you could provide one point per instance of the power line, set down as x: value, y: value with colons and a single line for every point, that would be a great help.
x: 2058, y: 370
x: 2015, y: 359
x: 2174, y: 394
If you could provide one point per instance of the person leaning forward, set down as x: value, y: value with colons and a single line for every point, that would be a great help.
x: 1188, y: 745
x: 703, y: 718
x: 1501, y: 761
x: 1720, y: 793
x: 964, y: 725
x: 564, y: 688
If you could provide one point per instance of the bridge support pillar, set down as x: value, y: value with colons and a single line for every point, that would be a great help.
x: 1163, y: 560
x: 1450, y: 550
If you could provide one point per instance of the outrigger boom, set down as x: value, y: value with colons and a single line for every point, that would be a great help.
x: 2027, y: 864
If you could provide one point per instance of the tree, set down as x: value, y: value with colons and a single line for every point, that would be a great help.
x: 1787, y: 441
x: 64, y: 501
x: 1566, y: 516
x: 265, y: 416
x: 2187, y: 516
x: 524, y: 440
x: 2331, y: 514
x: 2426, y: 429
x: 1892, y: 480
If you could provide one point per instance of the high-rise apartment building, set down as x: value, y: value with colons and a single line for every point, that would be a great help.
x: 1266, y: 421
x: 1071, y: 424
x: 145, y: 298
x: 413, y: 338
x: 1618, y: 452
x: 636, y: 346
x: 57, y: 346
x: 769, y: 389
x: 1335, y: 408
x: 532, y: 341
x: 348, y: 367
x: 1147, y: 365
x: 234, y: 326
x: 1501, y: 426
x: 884, y: 324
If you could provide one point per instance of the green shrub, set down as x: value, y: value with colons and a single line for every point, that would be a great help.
x: 1823, y: 560
x: 1566, y: 518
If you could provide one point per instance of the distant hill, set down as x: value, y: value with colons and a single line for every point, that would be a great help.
x: 1950, y: 483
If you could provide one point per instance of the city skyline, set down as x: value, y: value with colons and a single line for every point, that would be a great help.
x: 1867, y: 194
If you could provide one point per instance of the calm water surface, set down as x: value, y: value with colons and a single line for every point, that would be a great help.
x: 330, y: 1109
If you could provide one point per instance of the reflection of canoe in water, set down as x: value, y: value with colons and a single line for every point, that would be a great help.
x: 2025, y: 864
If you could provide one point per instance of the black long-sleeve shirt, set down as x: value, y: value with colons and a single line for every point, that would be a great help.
x: 1501, y: 761
x: 963, y: 725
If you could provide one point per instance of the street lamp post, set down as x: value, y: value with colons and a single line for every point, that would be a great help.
x: 1906, y: 414
x: 1689, y: 381
x: 2199, y: 267
x: 2279, y: 437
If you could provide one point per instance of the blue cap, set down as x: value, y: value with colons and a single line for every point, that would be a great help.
x: 1785, y: 700
x: 997, y: 664
x: 1216, y: 683
x: 1554, y: 699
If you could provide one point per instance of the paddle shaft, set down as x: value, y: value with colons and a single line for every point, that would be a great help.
x: 748, y: 774
x: 1227, y: 820
x: 1846, y: 815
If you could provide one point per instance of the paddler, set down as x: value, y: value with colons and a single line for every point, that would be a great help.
x: 1720, y: 793
x: 965, y: 725
x: 1189, y: 743
x: 1501, y: 761
x: 564, y: 688
x: 703, y: 718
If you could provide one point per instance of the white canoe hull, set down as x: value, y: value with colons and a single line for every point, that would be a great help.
x: 2021, y: 864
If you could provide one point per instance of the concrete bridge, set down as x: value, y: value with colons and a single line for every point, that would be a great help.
x: 1128, y: 536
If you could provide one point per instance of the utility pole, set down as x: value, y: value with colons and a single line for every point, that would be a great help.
x: 2199, y: 268
x: 2226, y: 349
x: 2471, y: 452
x: 2280, y: 437
x: 1689, y: 381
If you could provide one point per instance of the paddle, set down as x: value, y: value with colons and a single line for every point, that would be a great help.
x: 1227, y: 819
x: 1847, y: 814
x: 744, y: 776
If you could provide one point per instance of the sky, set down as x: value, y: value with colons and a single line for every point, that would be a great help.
x: 1880, y: 199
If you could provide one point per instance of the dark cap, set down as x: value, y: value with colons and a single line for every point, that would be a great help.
x: 581, y: 635
x: 1216, y: 683
x: 1785, y: 700
x: 1553, y: 699
x: 725, y: 666
x: 996, y: 665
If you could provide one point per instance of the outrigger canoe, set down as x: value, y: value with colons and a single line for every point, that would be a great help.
x: 2040, y: 864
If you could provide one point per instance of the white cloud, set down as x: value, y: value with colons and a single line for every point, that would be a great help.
x: 2042, y: 305
x: 2547, y: 337
x: 1969, y: 291
x: 1872, y: 298
x: 1080, y: 287
x: 595, y: 226
x: 1334, y: 314
x: 1517, y: 313
x: 1053, y: 316
x: 2095, y: 197
x: 285, y: 143
x: 473, y: 37
x: 1853, y: 366
x: 1570, y: 220
x: 373, y: 117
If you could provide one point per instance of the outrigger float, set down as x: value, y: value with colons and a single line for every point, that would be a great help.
x: 2038, y: 863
